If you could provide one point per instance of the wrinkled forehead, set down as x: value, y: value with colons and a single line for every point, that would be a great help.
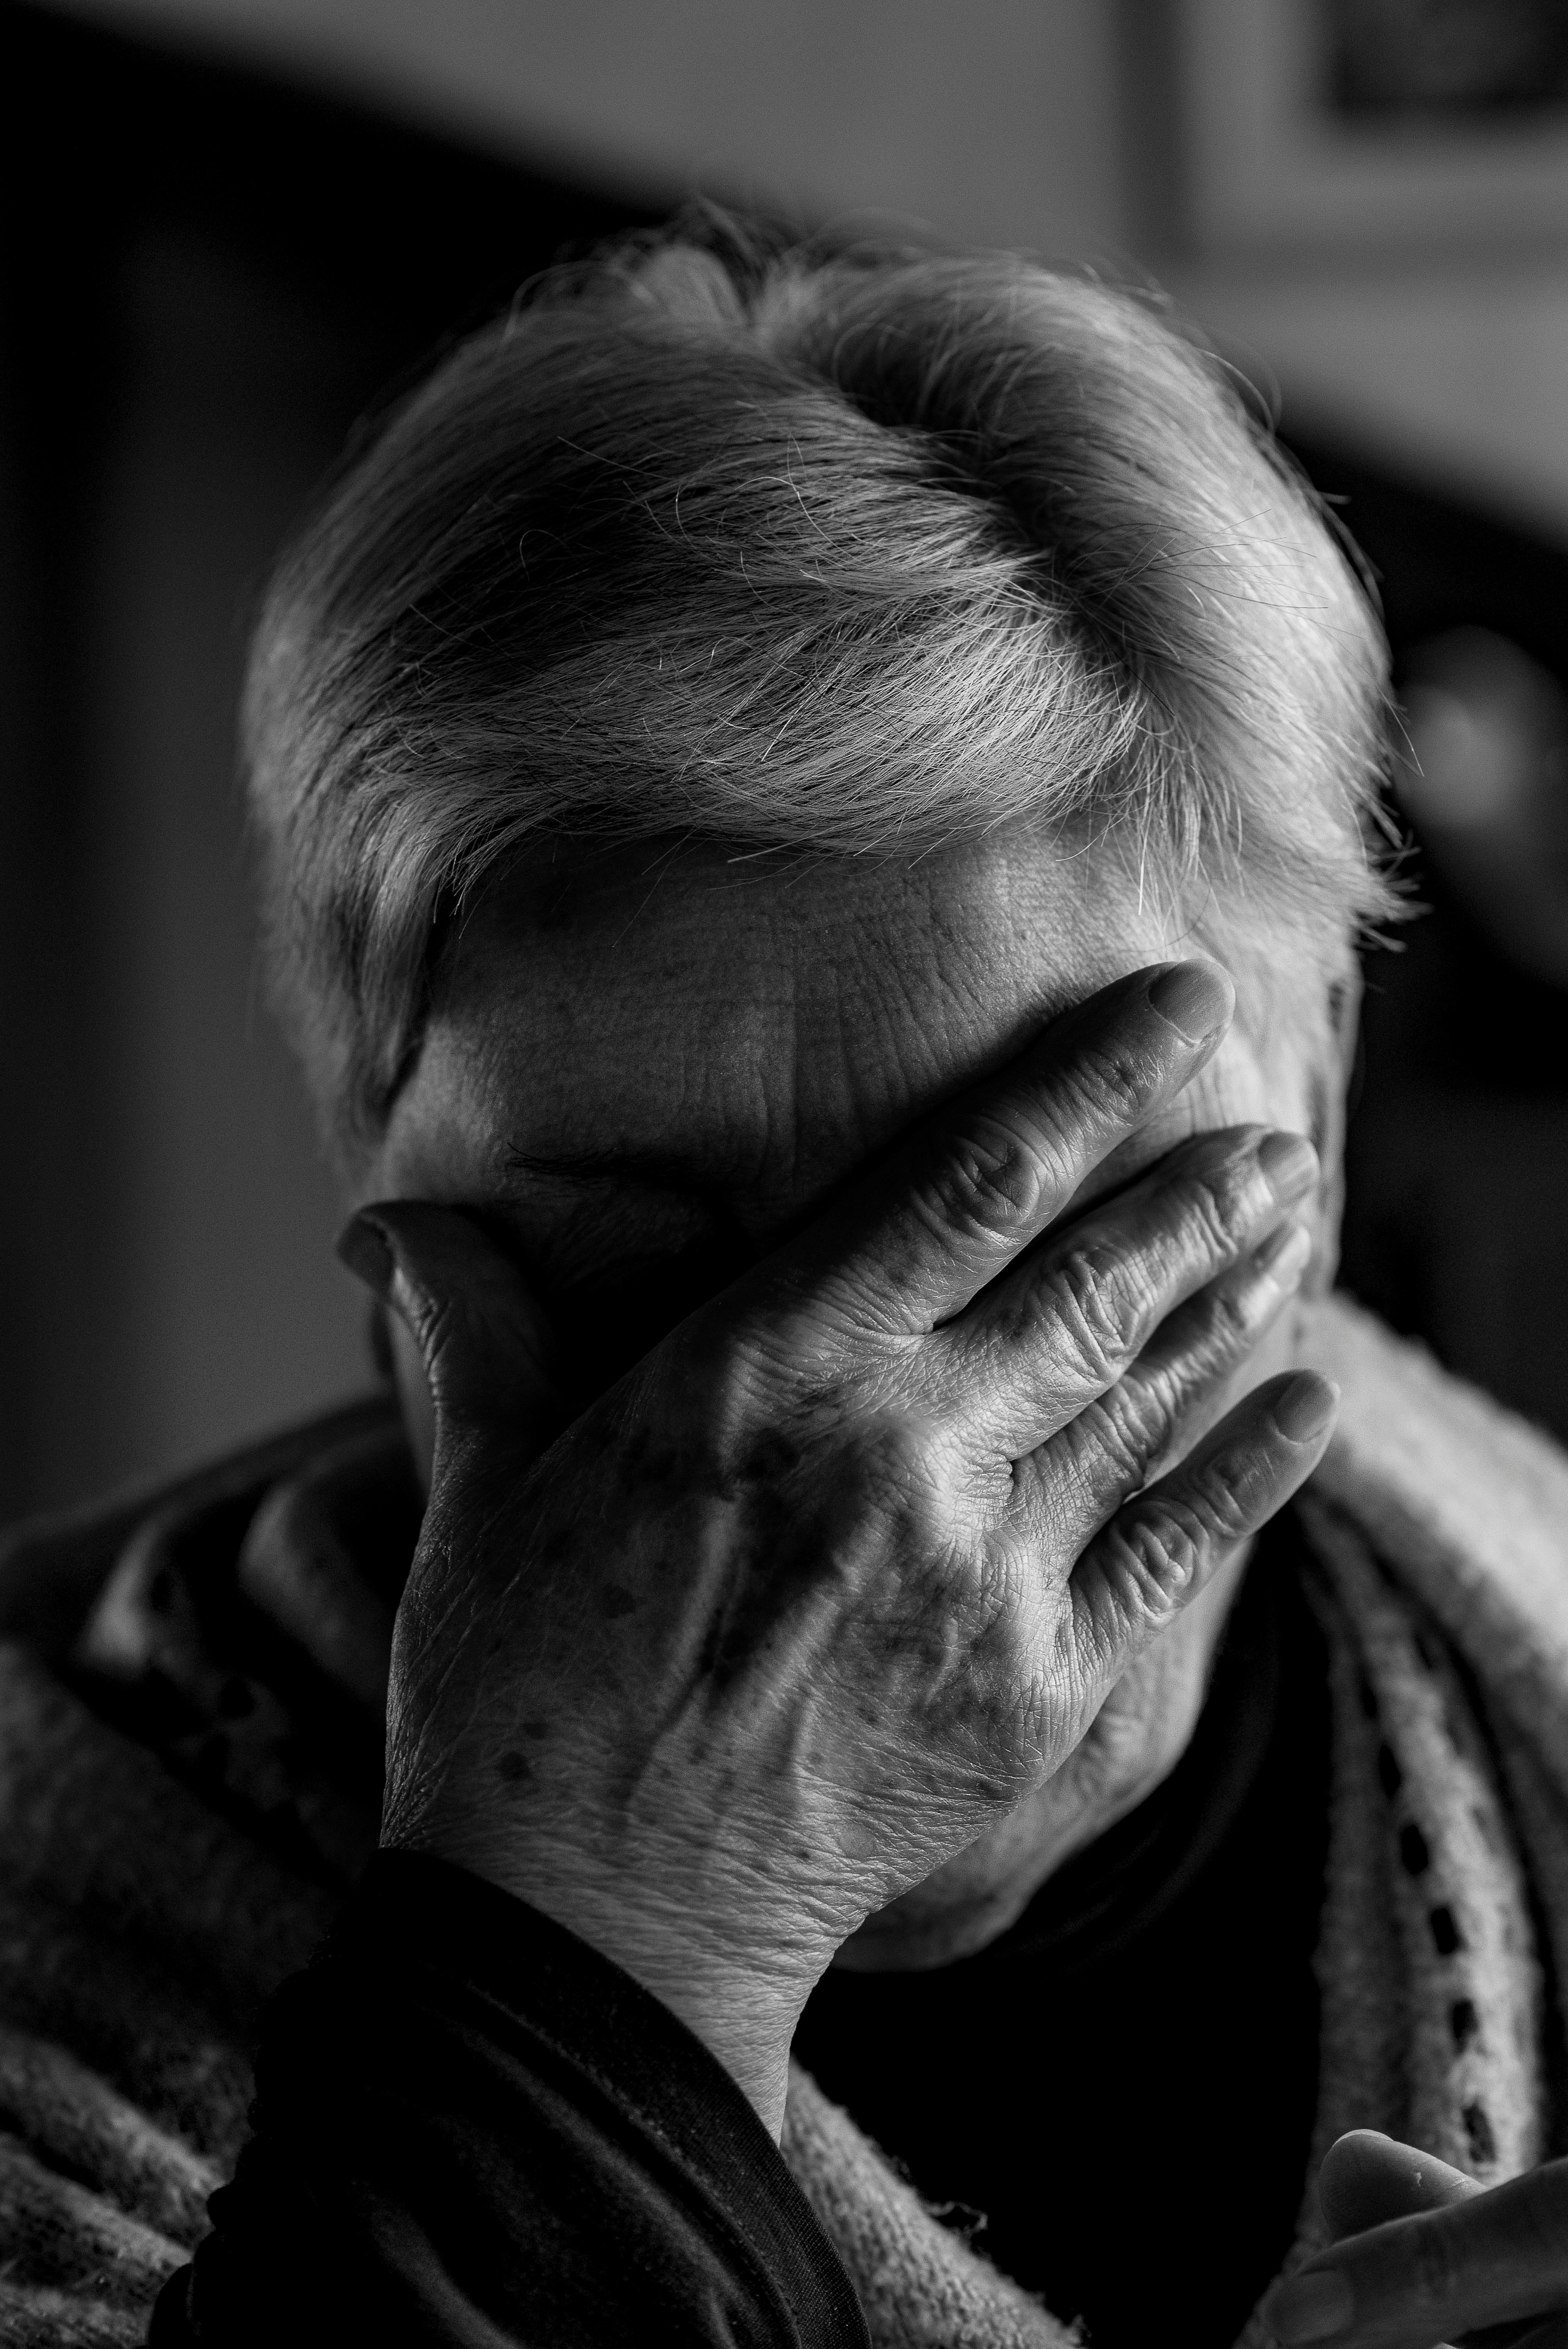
x: 630, y: 1052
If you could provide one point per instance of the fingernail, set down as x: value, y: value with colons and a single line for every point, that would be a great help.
x: 1284, y: 1254
x: 1305, y: 1407
x: 362, y: 1246
x: 1289, y: 1164
x: 1310, y: 2307
x: 1194, y: 997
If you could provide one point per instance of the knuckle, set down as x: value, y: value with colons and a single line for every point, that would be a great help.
x: 1101, y: 1642
x: 1157, y: 1555
x: 989, y: 1183
x: 1129, y: 1426
x: 1107, y: 1084
x: 1219, y: 1209
x: 1096, y: 1312
x: 1226, y: 1328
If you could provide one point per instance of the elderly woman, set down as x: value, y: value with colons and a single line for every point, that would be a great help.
x: 814, y: 819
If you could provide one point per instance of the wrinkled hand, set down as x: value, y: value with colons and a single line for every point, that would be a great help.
x: 1424, y: 2255
x: 845, y: 1568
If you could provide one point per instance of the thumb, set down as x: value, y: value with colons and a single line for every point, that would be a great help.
x: 481, y: 1337
x: 1367, y: 2178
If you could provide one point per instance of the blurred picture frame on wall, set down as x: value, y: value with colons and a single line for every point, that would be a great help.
x: 1341, y: 126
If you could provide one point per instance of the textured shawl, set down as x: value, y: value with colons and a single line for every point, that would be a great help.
x: 155, y: 1887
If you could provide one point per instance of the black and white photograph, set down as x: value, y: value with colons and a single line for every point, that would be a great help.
x: 784, y: 1015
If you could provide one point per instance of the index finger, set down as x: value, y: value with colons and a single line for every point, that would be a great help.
x: 918, y: 1239
x: 1488, y: 2259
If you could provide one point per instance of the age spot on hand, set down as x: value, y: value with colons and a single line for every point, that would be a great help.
x: 513, y: 1767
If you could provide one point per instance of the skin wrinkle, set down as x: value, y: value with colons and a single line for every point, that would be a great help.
x: 725, y: 1637
x: 900, y: 985
x: 431, y: 1770
x: 429, y: 1628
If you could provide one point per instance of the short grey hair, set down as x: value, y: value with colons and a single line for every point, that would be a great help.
x: 849, y: 552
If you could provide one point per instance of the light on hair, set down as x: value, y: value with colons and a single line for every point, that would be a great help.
x: 853, y: 554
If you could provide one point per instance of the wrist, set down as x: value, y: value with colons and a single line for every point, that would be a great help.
x: 740, y: 1996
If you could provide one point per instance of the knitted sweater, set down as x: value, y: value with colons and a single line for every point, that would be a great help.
x: 176, y: 1835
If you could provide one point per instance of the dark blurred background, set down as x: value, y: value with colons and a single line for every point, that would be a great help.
x: 232, y: 226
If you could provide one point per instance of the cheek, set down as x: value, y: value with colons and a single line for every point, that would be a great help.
x: 1238, y: 1088
x: 1236, y: 1091
x: 1233, y: 1090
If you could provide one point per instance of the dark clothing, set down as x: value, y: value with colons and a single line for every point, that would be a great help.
x: 1124, y: 2085
x: 473, y: 2129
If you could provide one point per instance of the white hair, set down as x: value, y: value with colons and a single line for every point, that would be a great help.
x: 852, y: 554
